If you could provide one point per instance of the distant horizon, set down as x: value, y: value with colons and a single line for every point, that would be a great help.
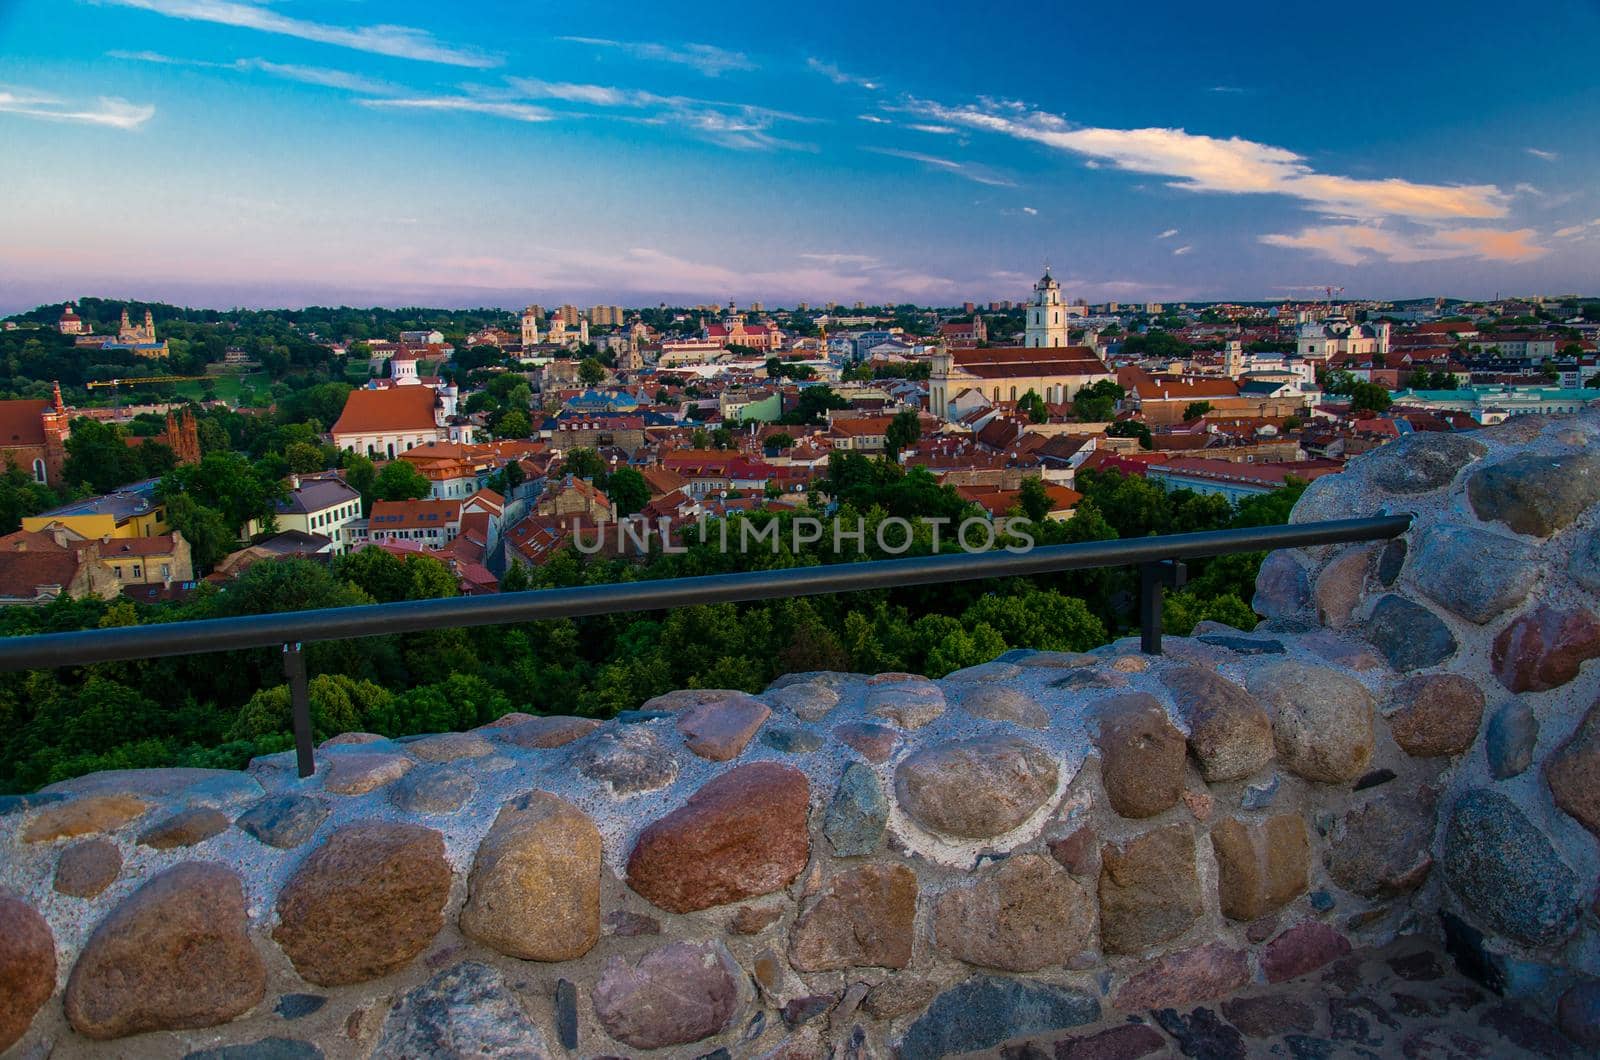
x: 551, y: 302
x: 280, y: 152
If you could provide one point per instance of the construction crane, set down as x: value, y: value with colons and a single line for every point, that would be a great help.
x: 116, y: 385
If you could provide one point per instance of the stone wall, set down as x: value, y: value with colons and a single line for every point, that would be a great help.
x: 862, y: 865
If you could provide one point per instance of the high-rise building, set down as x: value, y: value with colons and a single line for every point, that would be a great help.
x: 606, y: 316
x: 861, y: 305
x: 757, y: 307
x: 569, y: 315
x: 805, y: 307
x: 968, y: 307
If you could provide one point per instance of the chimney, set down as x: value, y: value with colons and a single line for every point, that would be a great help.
x: 294, y: 482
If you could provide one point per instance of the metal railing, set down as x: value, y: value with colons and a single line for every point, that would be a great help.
x: 1159, y: 559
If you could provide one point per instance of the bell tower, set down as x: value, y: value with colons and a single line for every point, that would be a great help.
x: 1047, y: 316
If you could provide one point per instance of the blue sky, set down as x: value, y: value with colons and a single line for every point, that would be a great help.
x: 250, y: 152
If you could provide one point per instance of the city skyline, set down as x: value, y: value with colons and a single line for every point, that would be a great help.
x: 220, y: 152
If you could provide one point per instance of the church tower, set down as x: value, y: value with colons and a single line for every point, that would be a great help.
x: 530, y: 326
x: 1047, y: 316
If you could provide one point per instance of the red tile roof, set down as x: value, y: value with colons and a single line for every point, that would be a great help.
x: 1010, y: 362
x: 21, y: 422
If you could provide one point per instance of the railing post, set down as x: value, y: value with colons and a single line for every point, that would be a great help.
x: 1153, y: 579
x: 294, y: 668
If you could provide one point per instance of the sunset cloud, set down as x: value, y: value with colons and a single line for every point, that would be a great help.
x: 1233, y: 166
x: 1358, y: 244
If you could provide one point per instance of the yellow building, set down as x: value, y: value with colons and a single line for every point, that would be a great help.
x: 129, y: 512
x: 159, y: 560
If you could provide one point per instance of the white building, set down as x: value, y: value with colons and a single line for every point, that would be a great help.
x: 1336, y: 336
x: 1047, y: 314
x: 325, y: 505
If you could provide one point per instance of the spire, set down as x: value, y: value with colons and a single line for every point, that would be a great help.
x: 55, y: 387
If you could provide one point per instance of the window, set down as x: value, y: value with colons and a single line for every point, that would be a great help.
x: 39, y: 474
x: 137, y: 571
x: 166, y: 572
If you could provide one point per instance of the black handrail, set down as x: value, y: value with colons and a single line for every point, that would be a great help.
x: 1160, y: 560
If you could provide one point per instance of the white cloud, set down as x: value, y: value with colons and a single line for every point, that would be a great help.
x: 1030, y: 211
x: 739, y: 126
x: 1357, y: 244
x: 839, y: 77
x: 1168, y: 234
x: 1182, y: 250
x: 1228, y: 89
x: 318, y: 75
x: 936, y: 130
x: 1548, y: 156
x: 862, y: 260
x: 874, y: 119
x: 310, y: 75
x: 400, y: 42
x: 109, y: 111
x: 1231, y: 166
x: 706, y: 58
x: 524, y: 112
x: 977, y: 174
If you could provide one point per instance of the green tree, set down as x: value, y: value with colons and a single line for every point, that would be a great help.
x: 903, y: 431
x: 20, y: 496
x: 813, y: 405
x: 517, y: 578
x: 1033, y: 405
x: 1132, y: 429
x: 228, y: 483
x: 1369, y: 398
x: 583, y: 462
x: 338, y: 704
x: 1034, y: 618
x: 514, y: 424
x: 98, y: 458
x: 399, y: 481
x: 1098, y: 401
x: 304, y: 458
x: 204, y: 528
x: 1195, y: 409
x: 1034, y: 499
x: 627, y: 490
x: 591, y: 372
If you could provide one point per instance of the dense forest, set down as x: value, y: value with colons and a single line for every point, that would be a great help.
x: 220, y: 712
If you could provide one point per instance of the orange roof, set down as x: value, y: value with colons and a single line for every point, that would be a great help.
x: 999, y: 501
x: 401, y: 408
x: 413, y: 515
x: 865, y: 425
